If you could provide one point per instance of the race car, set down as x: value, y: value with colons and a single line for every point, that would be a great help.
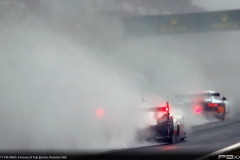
x: 207, y: 103
x: 168, y: 128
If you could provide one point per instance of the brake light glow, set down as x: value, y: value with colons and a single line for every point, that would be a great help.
x: 163, y: 109
x: 100, y: 112
x: 197, y: 109
x: 212, y: 104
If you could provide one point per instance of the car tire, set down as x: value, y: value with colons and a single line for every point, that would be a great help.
x: 172, y: 137
x: 171, y: 140
x: 184, y: 136
x: 223, y: 116
x: 228, y: 114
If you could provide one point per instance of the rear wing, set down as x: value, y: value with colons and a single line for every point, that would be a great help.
x: 159, y: 109
x: 197, y: 94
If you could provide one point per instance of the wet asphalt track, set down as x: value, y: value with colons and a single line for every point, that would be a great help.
x: 203, y: 140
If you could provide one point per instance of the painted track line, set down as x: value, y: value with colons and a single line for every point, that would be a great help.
x: 237, y: 145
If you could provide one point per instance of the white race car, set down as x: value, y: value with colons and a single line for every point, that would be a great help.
x: 207, y: 103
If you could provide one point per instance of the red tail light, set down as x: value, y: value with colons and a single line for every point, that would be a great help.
x: 100, y: 112
x: 197, y: 109
x: 212, y: 104
x: 163, y: 109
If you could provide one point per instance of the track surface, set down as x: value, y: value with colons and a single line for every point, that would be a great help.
x: 203, y: 140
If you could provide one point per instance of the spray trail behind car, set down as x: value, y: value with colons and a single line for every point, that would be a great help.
x: 50, y: 93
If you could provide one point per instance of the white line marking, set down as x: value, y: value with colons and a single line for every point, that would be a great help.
x: 220, y: 151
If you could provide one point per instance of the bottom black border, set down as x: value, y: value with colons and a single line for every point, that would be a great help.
x: 125, y: 156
